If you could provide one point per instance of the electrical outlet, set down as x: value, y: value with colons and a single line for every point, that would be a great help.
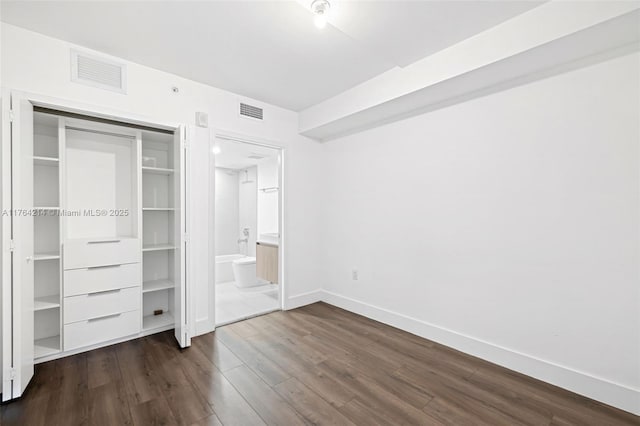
x: 354, y: 274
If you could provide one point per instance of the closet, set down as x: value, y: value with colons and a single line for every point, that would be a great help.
x: 98, y: 236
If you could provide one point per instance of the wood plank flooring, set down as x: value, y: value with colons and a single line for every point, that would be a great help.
x: 317, y: 365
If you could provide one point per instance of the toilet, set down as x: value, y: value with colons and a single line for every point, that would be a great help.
x: 244, y: 272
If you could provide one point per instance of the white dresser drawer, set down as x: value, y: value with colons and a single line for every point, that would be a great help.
x: 95, y: 305
x: 83, y: 253
x: 99, y: 330
x: 101, y: 278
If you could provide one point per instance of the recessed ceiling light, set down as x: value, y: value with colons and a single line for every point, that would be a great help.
x: 320, y: 9
x: 216, y: 150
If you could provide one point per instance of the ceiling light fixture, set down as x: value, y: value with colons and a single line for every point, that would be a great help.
x: 216, y: 150
x: 320, y: 8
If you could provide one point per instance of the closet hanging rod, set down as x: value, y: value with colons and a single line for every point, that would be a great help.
x: 100, y: 132
x: 61, y: 113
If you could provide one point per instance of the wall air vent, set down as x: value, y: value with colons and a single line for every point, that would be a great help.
x: 98, y: 72
x: 251, y: 111
x: 255, y: 156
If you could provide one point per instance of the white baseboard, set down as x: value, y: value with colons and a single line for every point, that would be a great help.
x: 602, y: 390
x: 303, y: 299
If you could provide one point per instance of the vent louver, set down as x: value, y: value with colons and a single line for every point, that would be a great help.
x: 98, y: 72
x: 251, y: 111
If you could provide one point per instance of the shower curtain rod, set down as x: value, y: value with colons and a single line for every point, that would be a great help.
x: 270, y: 189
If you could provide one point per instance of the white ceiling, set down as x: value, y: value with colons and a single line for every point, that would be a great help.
x: 236, y: 155
x: 267, y: 50
x: 406, y: 31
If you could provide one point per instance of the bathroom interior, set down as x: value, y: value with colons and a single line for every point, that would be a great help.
x: 247, y: 234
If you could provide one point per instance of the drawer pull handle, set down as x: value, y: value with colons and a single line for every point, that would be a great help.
x: 103, y: 267
x: 103, y: 241
x: 98, y: 293
x: 104, y: 317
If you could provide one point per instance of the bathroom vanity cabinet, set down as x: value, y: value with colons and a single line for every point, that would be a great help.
x: 267, y: 262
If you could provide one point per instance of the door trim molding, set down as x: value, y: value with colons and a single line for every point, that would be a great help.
x: 222, y: 134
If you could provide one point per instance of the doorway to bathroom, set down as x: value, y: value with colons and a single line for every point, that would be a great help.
x: 247, y: 230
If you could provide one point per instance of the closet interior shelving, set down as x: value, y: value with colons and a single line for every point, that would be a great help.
x: 160, y: 227
x: 77, y: 168
x: 46, y: 228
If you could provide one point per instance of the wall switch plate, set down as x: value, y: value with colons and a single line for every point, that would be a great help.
x: 354, y: 274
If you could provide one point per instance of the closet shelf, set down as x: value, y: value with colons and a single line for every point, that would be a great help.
x: 158, y: 209
x: 46, y: 302
x: 157, y: 285
x: 157, y: 170
x: 46, y: 346
x: 156, y: 247
x: 151, y: 322
x: 46, y: 161
x: 46, y: 256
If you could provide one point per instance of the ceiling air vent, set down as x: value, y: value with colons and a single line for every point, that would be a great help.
x: 98, y: 72
x: 251, y: 111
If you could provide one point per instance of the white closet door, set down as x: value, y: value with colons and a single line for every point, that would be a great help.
x: 17, y: 300
x: 6, y: 251
x: 181, y: 301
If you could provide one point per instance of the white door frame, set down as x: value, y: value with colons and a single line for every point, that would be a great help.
x: 221, y: 134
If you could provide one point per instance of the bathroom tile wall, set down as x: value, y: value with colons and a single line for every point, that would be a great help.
x: 247, y: 209
x: 227, y: 219
x: 268, y: 201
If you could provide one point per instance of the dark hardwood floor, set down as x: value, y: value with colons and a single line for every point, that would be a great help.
x: 314, y: 365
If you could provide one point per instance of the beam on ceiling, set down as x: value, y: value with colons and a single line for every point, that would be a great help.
x: 555, y: 37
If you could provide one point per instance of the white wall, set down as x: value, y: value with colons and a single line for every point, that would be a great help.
x: 506, y: 226
x: 248, y: 209
x: 268, y: 201
x: 38, y: 64
x: 226, y: 193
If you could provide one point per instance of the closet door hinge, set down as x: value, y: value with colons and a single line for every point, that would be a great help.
x: 185, y: 238
x: 184, y: 139
x: 12, y: 245
x: 11, y: 116
x: 13, y: 374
